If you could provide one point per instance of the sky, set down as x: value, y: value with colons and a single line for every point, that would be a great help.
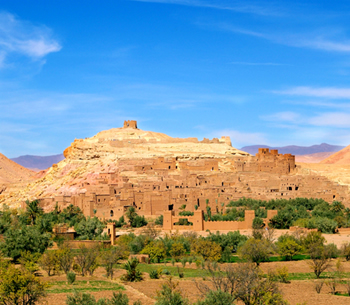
x: 262, y: 72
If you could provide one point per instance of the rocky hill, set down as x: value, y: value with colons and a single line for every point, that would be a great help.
x: 11, y: 172
x: 85, y: 159
x: 341, y: 157
x: 313, y: 158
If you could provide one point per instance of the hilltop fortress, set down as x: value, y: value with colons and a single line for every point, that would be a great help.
x: 155, y: 173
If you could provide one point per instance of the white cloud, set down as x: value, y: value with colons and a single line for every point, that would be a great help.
x: 230, y: 5
x: 324, y: 92
x: 240, y: 139
x: 286, y: 116
x: 332, y: 119
x: 22, y: 37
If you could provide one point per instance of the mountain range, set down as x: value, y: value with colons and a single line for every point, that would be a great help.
x: 296, y: 150
x: 38, y: 162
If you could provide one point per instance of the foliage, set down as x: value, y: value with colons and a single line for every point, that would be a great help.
x: 135, y: 220
x: 89, y: 228
x: 110, y: 257
x: 243, y: 282
x: 231, y: 239
x: 258, y: 223
x: 65, y: 258
x: 159, y: 220
x: 170, y: 294
x: 217, y: 297
x: 323, y: 224
x: 155, y: 250
x: 209, y: 250
x: 87, y: 299
x: 345, y: 251
x: 320, y: 259
x: 29, y: 261
x: 132, y: 273
x: 70, y: 277
x: 86, y: 259
x: 177, y: 250
x: 19, y: 286
x: 153, y: 274
x: 33, y: 210
x: 186, y: 213
x: 24, y: 238
x: 256, y: 250
x: 288, y: 248
x: 279, y: 275
x: 49, y: 261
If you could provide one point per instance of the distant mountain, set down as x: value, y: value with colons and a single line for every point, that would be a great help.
x: 38, y: 162
x: 341, y: 157
x: 296, y: 150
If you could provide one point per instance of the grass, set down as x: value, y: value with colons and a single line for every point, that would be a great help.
x: 82, y: 286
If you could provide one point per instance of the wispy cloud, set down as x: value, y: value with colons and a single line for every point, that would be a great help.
x: 316, y: 39
x: 24, y: 38
x: 243, y: 63
x: 237, y: 6
x: 322, y: 92
x: 239, y: 138
x: 286, y: 116
x: 331, y: 119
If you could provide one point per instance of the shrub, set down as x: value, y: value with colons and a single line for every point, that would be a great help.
x: 70, y: 277
x: 159, y: 220
x: 153, y: 274
x: 279, y: 275
x: 332, y: 250
x: 323, y: 224
x: 170, y: 294
x: 318, y: 286
x: 258, y: 223
x: 320, y: 260
x: 345, y: 251
x: 166, y: 272
x: 186, y: 213
x: 184, y: 261
x: 217, y: 297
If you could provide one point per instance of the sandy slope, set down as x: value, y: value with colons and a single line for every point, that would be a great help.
x: 11, y: 172
x: 341, y: 157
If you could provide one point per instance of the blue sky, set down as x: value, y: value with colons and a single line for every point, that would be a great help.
x: 262, y: 72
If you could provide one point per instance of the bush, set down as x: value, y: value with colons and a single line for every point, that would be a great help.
x: 217, y: 297
x: 170, y: 295
x: 323, y: 224
x: 159, y: 220
x: 186, y: 213
x: 258, y: 223
x: 153, y: 274
x: 177, y: 250
x: 345, y: 251
x: 279, y: 275
x: 70, y: 277
x: 332, y: 250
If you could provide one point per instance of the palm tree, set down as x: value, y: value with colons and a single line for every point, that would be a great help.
x: 33, y: 210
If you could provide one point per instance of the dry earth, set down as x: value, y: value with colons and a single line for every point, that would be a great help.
x: 313, y: 158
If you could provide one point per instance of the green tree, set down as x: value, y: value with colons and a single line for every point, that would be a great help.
x: 177, y: 250
x: 256, y: 250
x: 155, y: 250
x: 18, y: 286
x: 24, y: 238
x: 288, y: 248
x: 110, y: 258
x: 209, y: 250
x: 33, y: 210
x: 87, y: 259
x: 132, y: 273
